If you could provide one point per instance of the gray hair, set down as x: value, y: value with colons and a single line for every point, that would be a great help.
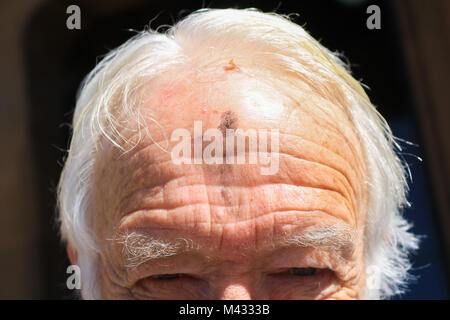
x: 275, y: 43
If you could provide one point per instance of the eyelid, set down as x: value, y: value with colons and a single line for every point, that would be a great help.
x: 319, y: 261
x: 167, y: 276
x: 304, y: 272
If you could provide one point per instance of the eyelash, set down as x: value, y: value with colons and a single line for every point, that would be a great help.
x: 298, y: 272
x: 304, y: 272
x: 172, y: 276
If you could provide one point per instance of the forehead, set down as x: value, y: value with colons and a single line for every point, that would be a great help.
x: 320, y: 164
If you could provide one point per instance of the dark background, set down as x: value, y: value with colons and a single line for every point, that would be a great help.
x: 53, y: 60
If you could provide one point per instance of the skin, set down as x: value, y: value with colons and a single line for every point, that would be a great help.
x: 233, y: 216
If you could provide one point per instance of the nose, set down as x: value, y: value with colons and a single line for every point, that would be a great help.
x: 234, y: 291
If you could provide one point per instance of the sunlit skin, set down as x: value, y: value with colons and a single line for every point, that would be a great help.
x: 234, y: 217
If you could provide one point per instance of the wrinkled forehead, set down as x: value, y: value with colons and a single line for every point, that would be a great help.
x: 240, y: 98
x: 310, y: 127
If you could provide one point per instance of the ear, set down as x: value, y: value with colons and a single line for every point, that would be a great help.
x: 72, y: 253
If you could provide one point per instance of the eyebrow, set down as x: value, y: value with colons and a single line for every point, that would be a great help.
x: 339, y: 238
x: 139, y: 248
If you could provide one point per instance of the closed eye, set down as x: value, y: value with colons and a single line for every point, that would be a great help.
x: 169, y: 276
x: 303, y: 272
x: 299, y: 272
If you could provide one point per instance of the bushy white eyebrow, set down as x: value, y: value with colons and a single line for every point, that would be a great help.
x: 139, y: 248
x: 339, y: 238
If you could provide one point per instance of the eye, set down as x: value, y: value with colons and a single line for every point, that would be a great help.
x: 303, y: 272
x: 169, y: 276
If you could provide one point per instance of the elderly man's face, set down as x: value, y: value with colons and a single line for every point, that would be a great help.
x: 225, y: 231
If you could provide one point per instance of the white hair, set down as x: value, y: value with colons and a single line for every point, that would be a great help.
x: 274, y: 43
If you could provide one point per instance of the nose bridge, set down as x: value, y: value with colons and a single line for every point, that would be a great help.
x: 233, y: 289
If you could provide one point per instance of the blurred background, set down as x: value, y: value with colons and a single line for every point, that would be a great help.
x: 406, y: 65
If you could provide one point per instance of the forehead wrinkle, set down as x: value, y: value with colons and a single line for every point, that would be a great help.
x: 334, y: 114
x: 334, y: 149
x: 333, y: 133
x: 327, y: 122
x: 144, y: 206
x: 301, y: 156
x: 150, y: 209
x: 192, y: 180
x: 322, y: 112
x: 350, y: 166
x: 303, y: 136
x: 144, y: 145
x: 282, y: 223
x: 146, y: 151
x: 347, y: 194
x: 307, y: 156
x: 341, y: 168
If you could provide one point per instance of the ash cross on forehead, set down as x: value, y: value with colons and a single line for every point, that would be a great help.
x: 228, y: 120
x: 228, y: 145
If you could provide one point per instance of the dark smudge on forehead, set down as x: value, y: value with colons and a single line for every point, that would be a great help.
x: 228, y: 120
